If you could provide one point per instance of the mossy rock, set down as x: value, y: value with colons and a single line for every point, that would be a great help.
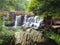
x: 32, y: 37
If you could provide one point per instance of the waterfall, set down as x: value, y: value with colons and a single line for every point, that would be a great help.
x: 25, y: 19
x: 38, y: 22
x: 19, y: 20
x: 28, y: 21
x: 31, y: 21
x: 3, y: 20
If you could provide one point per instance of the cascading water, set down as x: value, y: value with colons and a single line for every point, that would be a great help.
x: 33, y: 22
x: 3, y: 20
x: 19, y: 20
x: 26, y: 20
x: 38, y: 22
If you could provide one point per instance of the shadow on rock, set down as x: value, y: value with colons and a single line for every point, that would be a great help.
x: 47, y: 42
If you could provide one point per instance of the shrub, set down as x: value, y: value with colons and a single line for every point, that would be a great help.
x: 52, y: 35
x: 44, y: 7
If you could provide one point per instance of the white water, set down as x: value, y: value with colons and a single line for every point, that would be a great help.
x: 19, y: 21
x: 27, y: 21
x: 16, y: 21
x: 4, y: 21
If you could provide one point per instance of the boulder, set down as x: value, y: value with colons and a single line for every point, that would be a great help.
x: 32, y: 37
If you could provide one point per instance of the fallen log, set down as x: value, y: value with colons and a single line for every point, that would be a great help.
x: 55, y: 26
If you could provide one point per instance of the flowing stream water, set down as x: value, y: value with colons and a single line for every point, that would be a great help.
x: 28, y: 21
x: 19, y: 20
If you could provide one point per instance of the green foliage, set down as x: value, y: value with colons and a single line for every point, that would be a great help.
x: 52, y: 35
x: 21, y: 5
x: 1, y: 41
x: 5, y: 35
x: 1, y: 23
x: 44, y: 7
x: 7, y: 4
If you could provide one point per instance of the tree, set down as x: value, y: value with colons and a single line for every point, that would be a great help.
x: 21, y: 5
x: 44, y: 7
x: 7, y: 5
